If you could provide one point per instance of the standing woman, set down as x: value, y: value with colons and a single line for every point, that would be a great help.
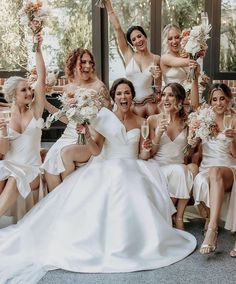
x: 138, y: 60
x: 175, y: 68
x: 19, y: 171
x: 63, y: 156
x: 218, y: 169
x: 169, y: 137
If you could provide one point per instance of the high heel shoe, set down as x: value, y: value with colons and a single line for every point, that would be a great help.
x: 207, y: 220
x: 209, y: 247
x: 233, y: 252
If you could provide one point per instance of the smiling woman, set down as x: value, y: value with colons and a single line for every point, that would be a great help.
x: 66, y: 154
x: 138, y: 62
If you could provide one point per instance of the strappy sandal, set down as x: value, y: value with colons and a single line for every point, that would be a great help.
x: 209, y: 248
x: 207, y: 220
x: 233, y: 252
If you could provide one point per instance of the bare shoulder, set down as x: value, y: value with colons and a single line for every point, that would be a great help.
x: 152, y: 119
x: 157, y: 58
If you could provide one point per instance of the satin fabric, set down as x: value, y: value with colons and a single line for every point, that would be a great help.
x: 142, y: 80
x: 170, y: 157
x: 111, y: 215
x: 216, y: 152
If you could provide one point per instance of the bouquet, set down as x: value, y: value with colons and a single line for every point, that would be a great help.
x: 80, y: 106
x: 202, y: 125
x: 33, y: 15
x: 194, y: 43
x: 100, y: 3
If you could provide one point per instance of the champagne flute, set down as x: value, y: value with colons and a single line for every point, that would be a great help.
x: 6, y: 115
x: 204, y: 19
x: 227, y: 120
x: 145, y: 129
x: 153, y: 70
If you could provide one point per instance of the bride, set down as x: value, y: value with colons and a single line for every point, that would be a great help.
x: 112, y: 215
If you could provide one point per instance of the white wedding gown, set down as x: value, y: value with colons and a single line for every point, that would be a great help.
x: 112, y: 215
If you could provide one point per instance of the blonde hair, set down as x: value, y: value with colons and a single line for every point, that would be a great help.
x: 9, y: 88
x: 165, y: 48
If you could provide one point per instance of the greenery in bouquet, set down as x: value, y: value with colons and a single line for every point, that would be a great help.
x: 33, y: 15
x: 202, y: 126
x: 80, y: 106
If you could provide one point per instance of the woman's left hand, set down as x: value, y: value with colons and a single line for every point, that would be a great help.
x: 147, y: 144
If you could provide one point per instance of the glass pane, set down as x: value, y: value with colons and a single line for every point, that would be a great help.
x: 228, y: 36
x: 69, y: 26
x: 184, y: 13
x: 136, y: 12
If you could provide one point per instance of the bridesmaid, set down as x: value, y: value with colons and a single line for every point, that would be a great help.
x: 218, y: 169
x: 174, y: 67
x: 138, y: 61
x: 19, y: 170
x: 66, y: 154
x: 169, y: 132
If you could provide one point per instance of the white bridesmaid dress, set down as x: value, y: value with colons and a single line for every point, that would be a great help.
x: 141, y: 79
x: 112, y: 215
x: 216, y: 152
x: 170, y: 158
x: 22, y: 162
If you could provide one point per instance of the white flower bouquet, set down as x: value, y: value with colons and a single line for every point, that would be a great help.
x: 194, y: 43
x: 202, y: 125
x: 81, y: 106
x: 33, y: 15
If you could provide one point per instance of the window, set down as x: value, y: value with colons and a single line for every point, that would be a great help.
x: 228, y: 36
x: 130, y: 13
x: 69, y: 26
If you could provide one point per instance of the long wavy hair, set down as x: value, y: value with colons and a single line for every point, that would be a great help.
x: 180, y: 95
x: 165, y: 32
x: 71, y: 61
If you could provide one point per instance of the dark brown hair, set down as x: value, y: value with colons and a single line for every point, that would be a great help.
x: 180, y: 95
x: 119, y: 81
x: 72, y: 58
x: 134, y: 28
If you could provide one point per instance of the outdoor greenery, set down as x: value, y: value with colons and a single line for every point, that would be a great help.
x: 70, y: 26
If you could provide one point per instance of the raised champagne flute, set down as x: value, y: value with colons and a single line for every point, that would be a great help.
x: 204, y: 19
x: 227, y: 120
x: 153, y: 70
x: 6, y: 115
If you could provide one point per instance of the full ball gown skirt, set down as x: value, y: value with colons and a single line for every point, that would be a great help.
x: 112, y: 215
x: 216, y: 152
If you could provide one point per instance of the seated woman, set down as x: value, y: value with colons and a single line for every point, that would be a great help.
x: 19, y: 170
x: 138, y: 61
x: 169, y: 137
x: 63, y: 156
x: 115, y: 201
x: 217, y: 169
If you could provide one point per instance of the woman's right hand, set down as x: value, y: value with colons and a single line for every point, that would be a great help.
x: 84, y: 129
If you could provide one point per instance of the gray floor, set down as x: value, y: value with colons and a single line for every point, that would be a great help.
x: 219, y: 267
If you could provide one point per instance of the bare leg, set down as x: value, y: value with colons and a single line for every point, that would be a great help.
x: 8, y: 196
x: 52, y: 180
x: 181, y: 205
x: 221, y: 180
x: 73, y: 154
x: 2, y: 185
